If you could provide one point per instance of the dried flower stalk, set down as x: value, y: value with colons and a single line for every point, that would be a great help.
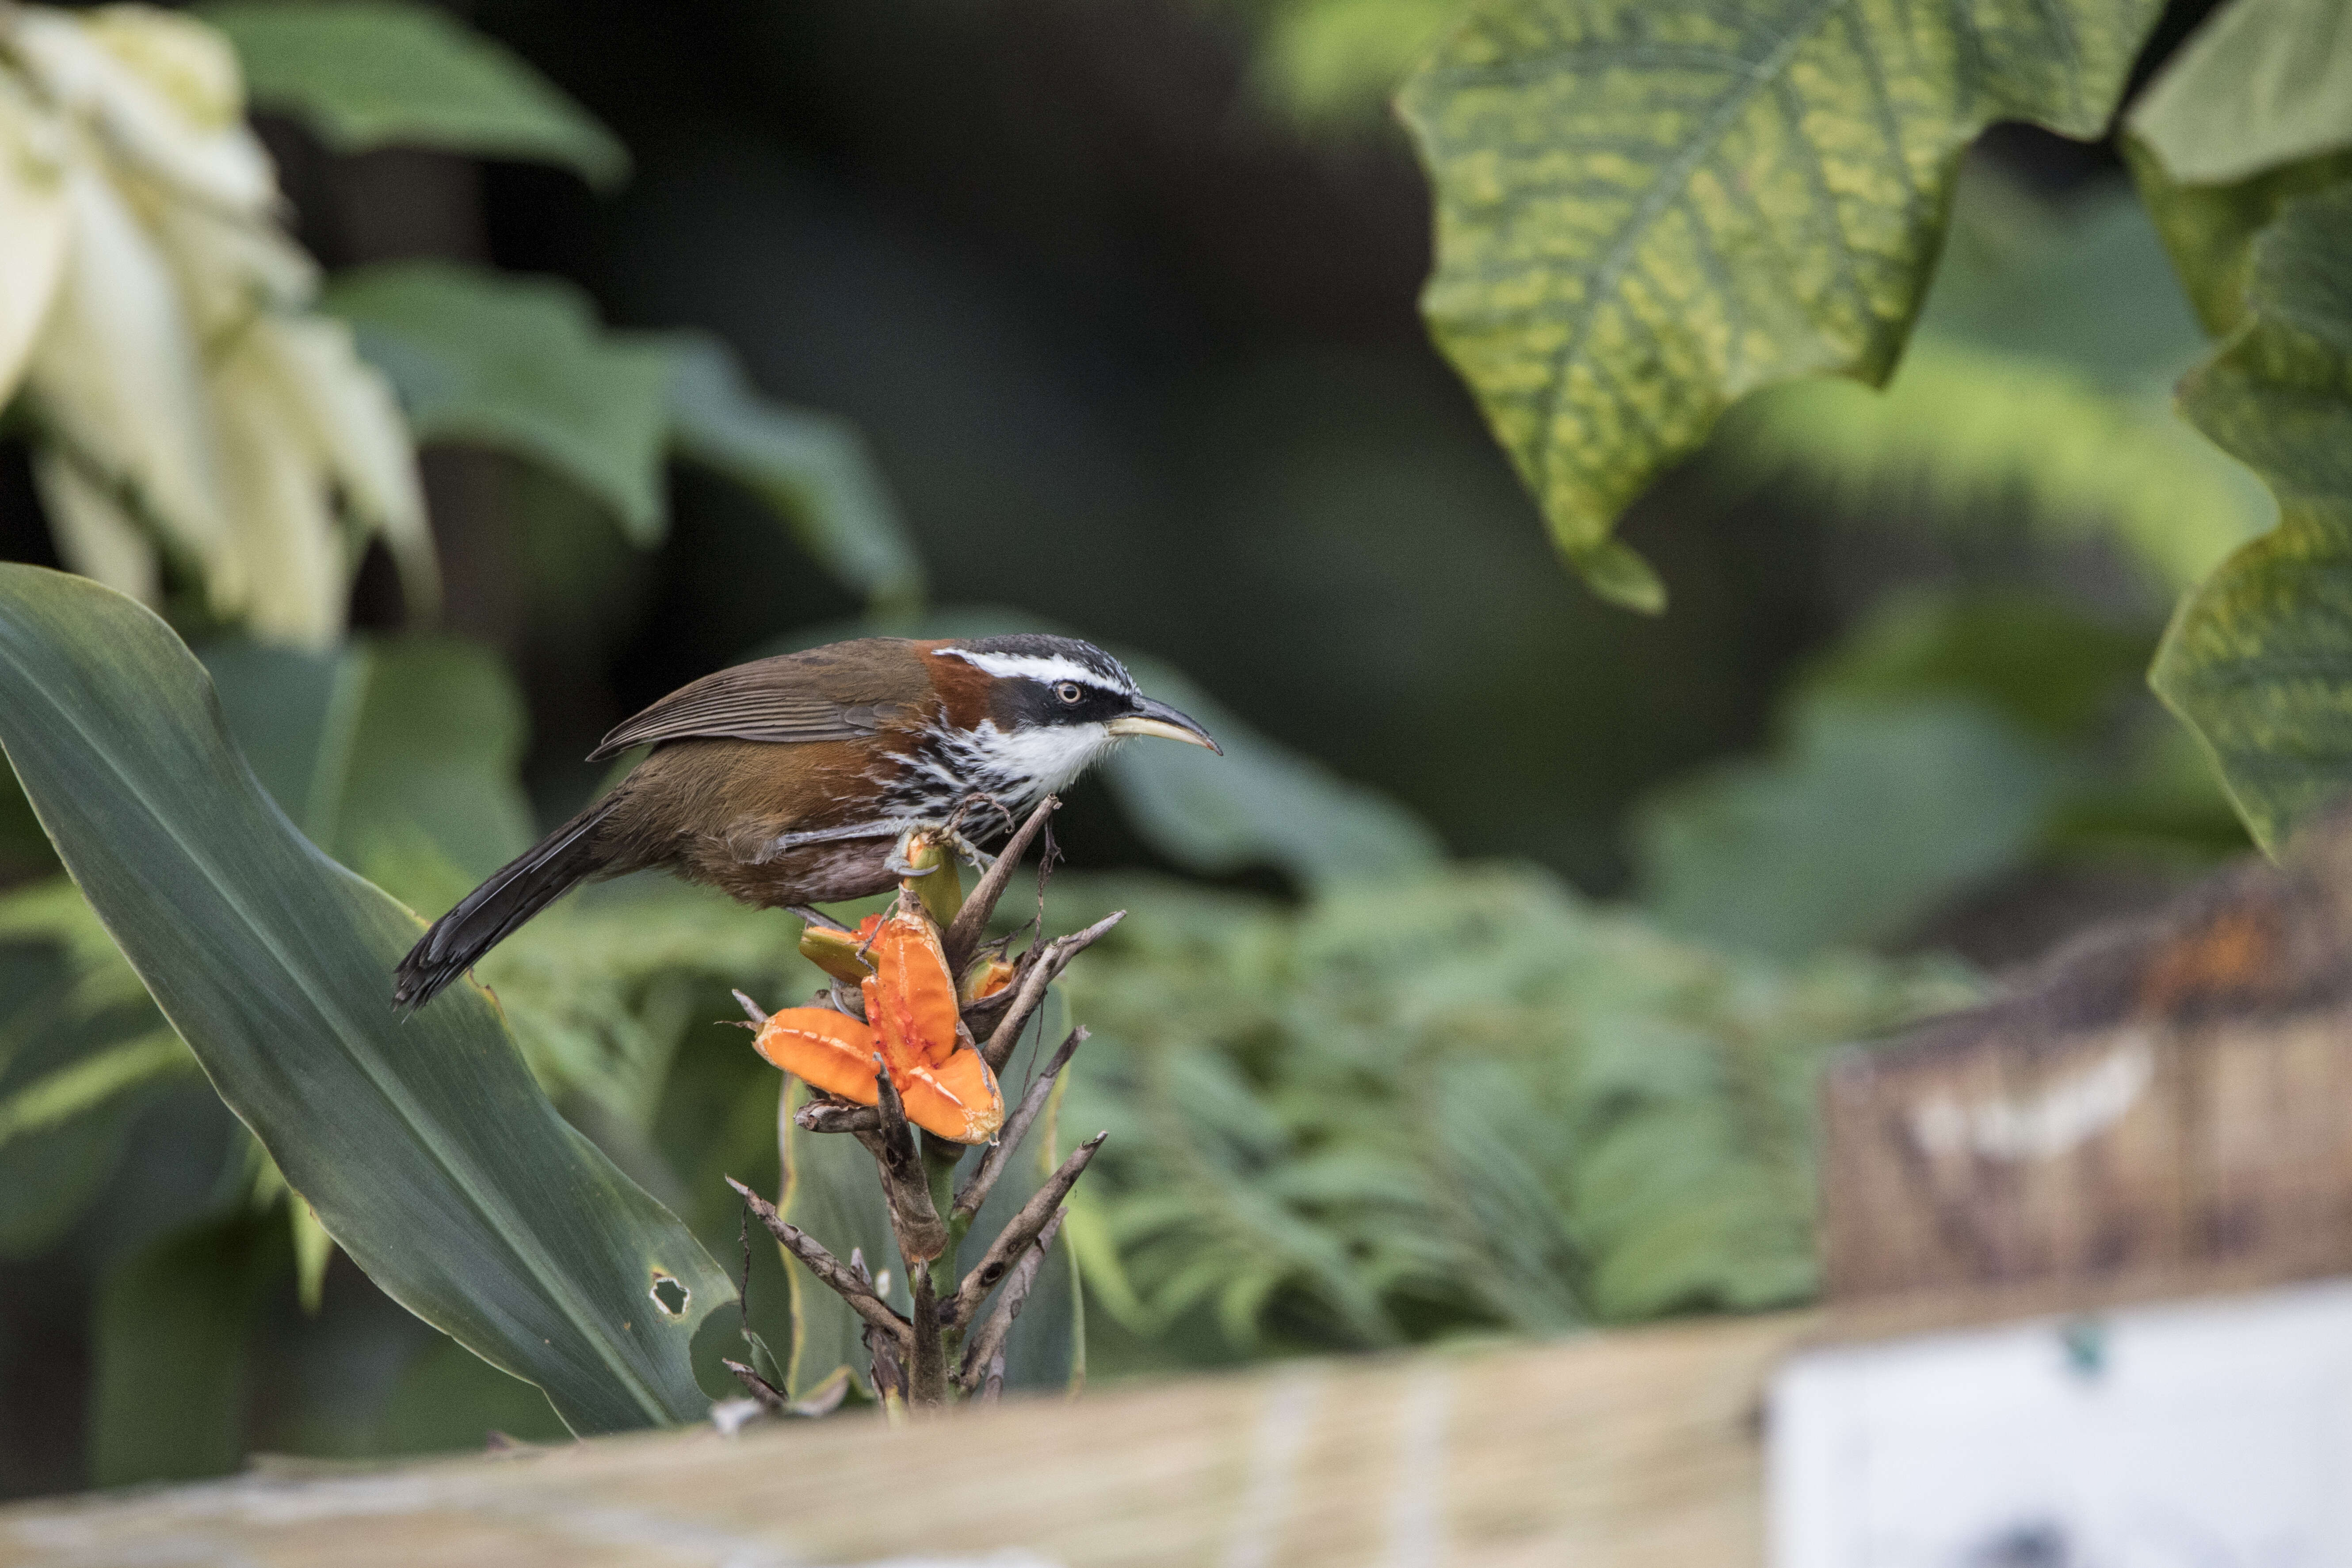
x: 945, y: 1349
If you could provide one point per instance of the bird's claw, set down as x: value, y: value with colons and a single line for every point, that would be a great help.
x: 897, y: 865
x: 979, y: 858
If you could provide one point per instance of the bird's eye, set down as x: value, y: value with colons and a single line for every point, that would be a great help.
x: 1068, y: 692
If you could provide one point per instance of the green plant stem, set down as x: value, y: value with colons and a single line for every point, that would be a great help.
x: 939, y: 1160
x: 926, y: 1374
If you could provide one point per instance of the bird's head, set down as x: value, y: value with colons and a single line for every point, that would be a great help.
x: 1046, y: 708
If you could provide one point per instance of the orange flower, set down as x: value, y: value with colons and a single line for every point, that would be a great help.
x: 985, y: 979
x: 912, y: 1024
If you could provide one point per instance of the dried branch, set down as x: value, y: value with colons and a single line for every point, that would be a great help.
x: 922, y: 1234
x: 752, y: 1010
x: 962, y: 937
x: 1006, y: 1250
x: 826, y: 1398
x: 771, y: 1398
x: 927, y: 1377
x: 833, y: 1116
x: 882, y: 1350
x: 812, y: 915
x: 889, y: 1375
x: 1042, y: 974
x: 985, y: 1359
x: 1017, y: 1127
x: 828, y: 1270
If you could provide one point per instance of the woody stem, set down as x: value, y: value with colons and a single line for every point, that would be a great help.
x: 939, y: 1160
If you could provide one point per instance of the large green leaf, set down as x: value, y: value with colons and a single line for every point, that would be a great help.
x: 2209, y: 230
x: 1647, y: 208
x: 2261, y: 83
x: 2037, y: 387
x: 377, y: 73
x: 520, y: 364
x: 812, y: 468
x: 424, y: 1146
x: 383, y: 745
x: 2243, y: 119
x: 2258, y: 660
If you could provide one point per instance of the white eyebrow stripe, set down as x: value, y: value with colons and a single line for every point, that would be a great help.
x: 1050, y: 669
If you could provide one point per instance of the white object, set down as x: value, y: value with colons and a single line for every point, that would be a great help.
x: 2212, y: 1434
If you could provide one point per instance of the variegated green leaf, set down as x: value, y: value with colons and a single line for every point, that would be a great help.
x: 1647, y: 208
x: 2258, y: 660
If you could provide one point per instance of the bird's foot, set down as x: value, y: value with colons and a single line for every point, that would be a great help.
x: 897, y: 865
x: 978, y: 858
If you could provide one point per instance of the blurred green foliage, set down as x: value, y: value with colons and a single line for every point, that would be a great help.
x: 2260, y: 657
x: 375, y: 73
x: 1462, y: 1101
x: 1330, y: 65
x: 2036, y: 387
x: 1950, y: 740
x: 522, y: 364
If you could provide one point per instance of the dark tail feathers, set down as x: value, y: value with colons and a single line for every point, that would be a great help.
x: 484, y: 917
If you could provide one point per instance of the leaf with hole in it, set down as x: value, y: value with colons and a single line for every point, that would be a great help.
x: 375, y: 73
x: 424, y: 1145
x: 1647, y: 208
x: 2258, y: 660
x: 813, y: 470
x: 520, y: 364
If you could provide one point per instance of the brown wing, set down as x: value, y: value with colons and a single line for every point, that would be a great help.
x: 840, y: 692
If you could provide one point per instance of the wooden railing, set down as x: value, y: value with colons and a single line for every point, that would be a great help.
x: 1634, y: 1449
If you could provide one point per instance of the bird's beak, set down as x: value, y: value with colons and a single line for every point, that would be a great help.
x: 1151, y: 718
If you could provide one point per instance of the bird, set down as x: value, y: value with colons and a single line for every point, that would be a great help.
x: 795, y: 780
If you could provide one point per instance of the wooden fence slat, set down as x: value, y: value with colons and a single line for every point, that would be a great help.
x: 1636, y: 1449
x: 2168, y: 1096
